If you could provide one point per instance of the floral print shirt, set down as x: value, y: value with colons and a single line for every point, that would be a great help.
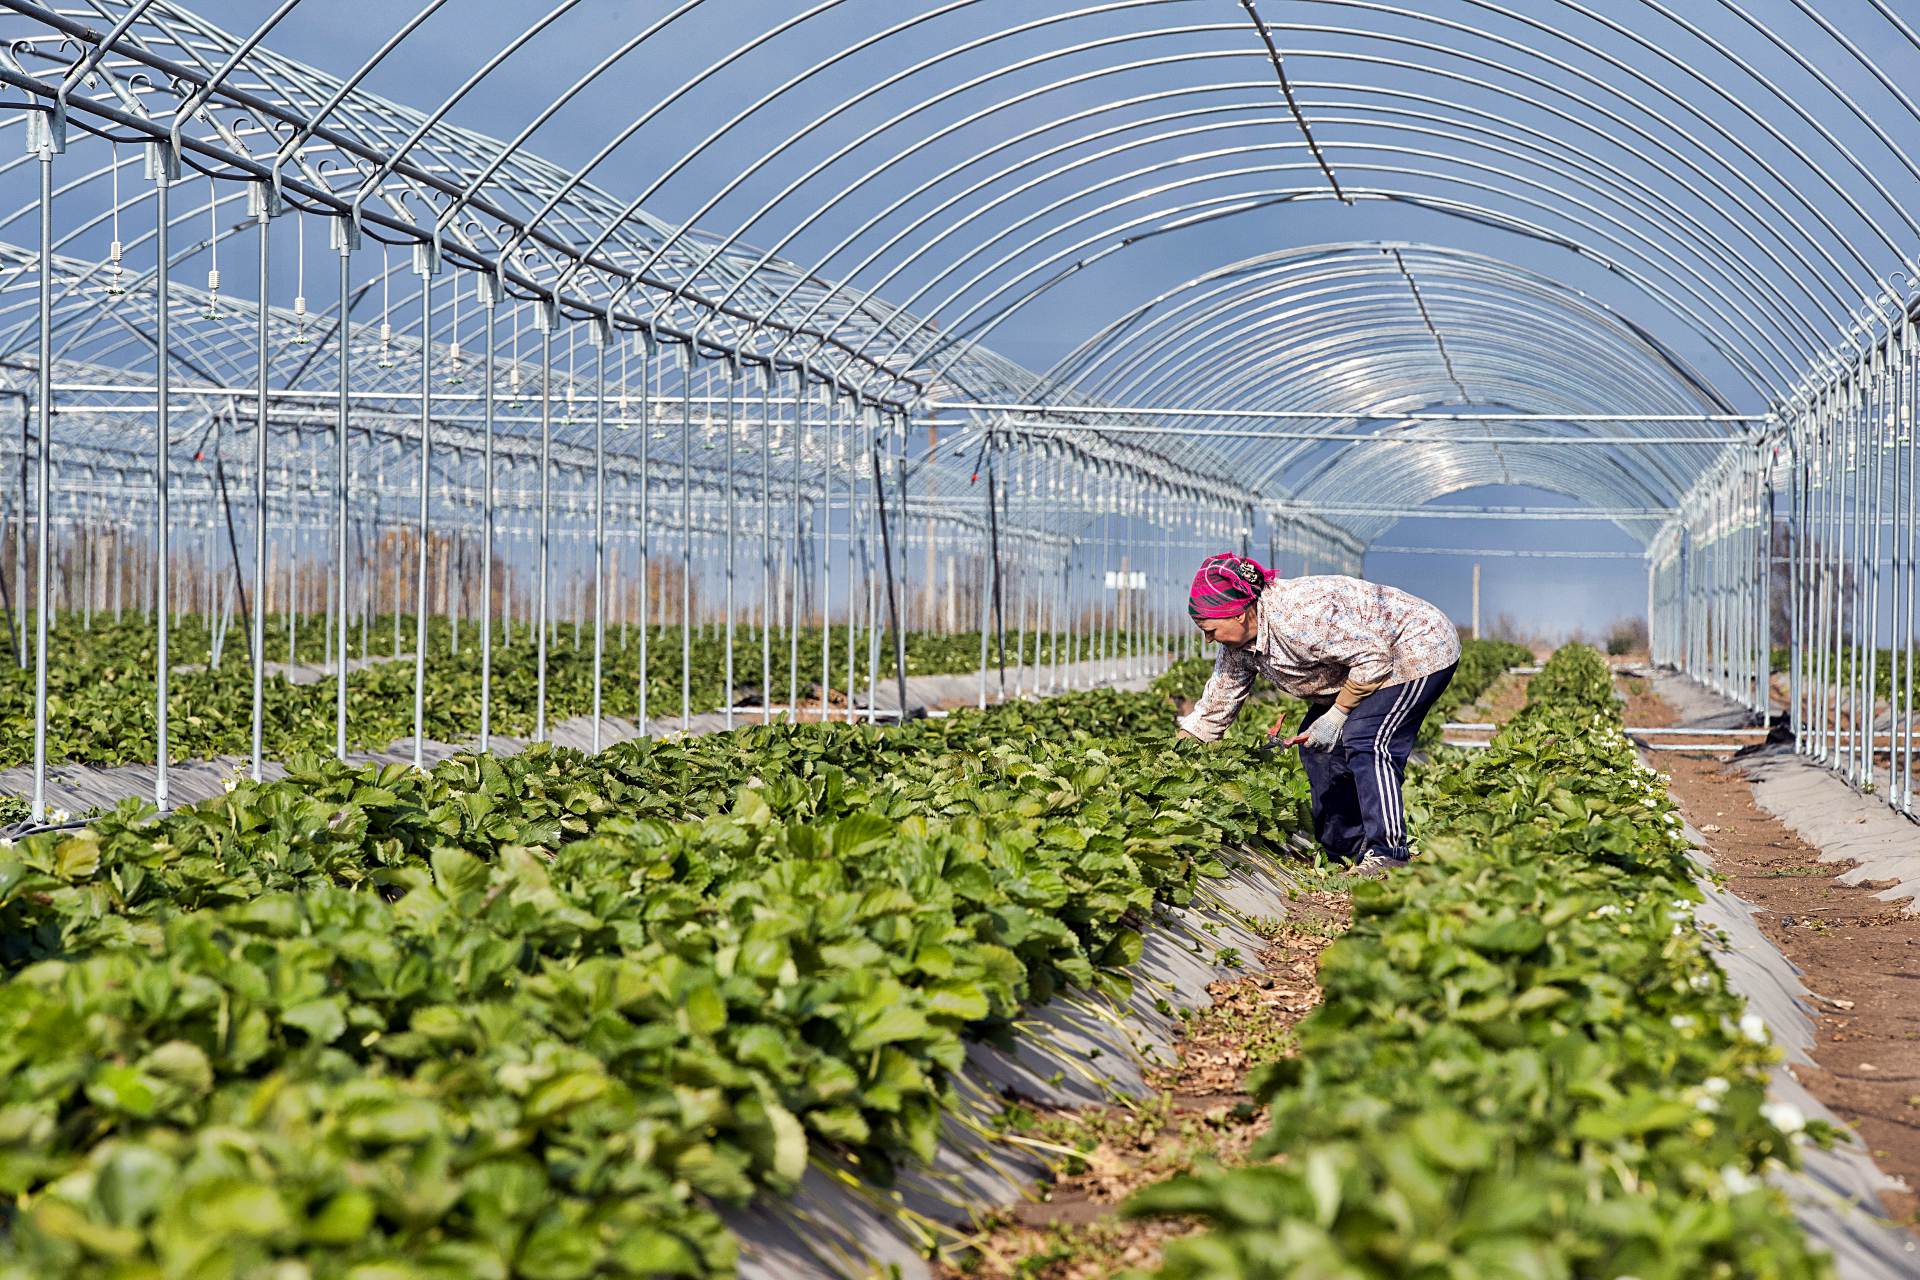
x: 1316, y: 633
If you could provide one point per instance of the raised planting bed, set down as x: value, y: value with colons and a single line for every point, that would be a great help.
x: 1527, y: 1063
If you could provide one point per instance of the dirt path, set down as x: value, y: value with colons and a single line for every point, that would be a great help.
x: 1644, y: 707
x: 1859, y: 956
x: 1199, y: 1116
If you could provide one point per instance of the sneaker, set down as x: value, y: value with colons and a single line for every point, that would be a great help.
x: 1376, y: 865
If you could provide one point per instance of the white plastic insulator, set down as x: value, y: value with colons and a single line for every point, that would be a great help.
x: 213, y: 281
x: 453, y: 353
x: 113, y: 253
x: 386, y: 333
x: 300, y: 306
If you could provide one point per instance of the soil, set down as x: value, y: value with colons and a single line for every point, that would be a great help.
x: 1858, y: 955
x: 1200, y: 1116
x: 1503, y: 698
x: 1644, y: 707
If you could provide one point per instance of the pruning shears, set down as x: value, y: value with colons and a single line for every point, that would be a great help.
x: 1272, y: 741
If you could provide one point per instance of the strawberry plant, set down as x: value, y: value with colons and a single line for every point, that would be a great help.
x: 1528, y: 1063
x: 540, y: 1016
x: 101, y: 689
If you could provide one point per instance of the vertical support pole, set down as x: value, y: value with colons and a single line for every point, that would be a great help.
x: 986, y: 584
x: 686, y: 537
x: 730, y: 559
x: 488, y: 291
x: 544, y: 317
x: 849, y: 436
x: 1476, y: 600
x: 1905, y: 426
x: 1904, y: 536
x: 999, y: 590
x: 165, y: 168
x: 600, y: 332
x: 766, y: 546
x: 795, y: 560
x: 343, y: 240
x: 20, y: 539
x: 825, y: 540
x: 41, y: 138
x: 424, y: 264
x: 257, y: 639
x: 647, y: 367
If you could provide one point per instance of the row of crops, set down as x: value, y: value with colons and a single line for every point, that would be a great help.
x: 102, y: 691
x: 547, y: 1016
x: 540, y: 1016
x: 1527, y: 1064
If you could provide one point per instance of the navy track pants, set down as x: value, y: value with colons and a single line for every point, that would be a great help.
x: 1357, y: 807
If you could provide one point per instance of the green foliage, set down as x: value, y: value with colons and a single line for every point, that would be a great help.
x: 538, y: 1016
x: 1527, y: 1065
x: 102, y: 692
x: 1184, y: 679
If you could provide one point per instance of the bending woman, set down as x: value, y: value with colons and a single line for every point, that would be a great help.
x: 1367, y: 659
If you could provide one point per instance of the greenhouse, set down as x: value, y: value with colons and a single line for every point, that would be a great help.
x: 712, y: 638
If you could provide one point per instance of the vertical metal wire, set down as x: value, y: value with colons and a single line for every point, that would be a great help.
x: 343, y: 335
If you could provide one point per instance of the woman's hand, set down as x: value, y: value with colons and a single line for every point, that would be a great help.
x: 1323, y: 734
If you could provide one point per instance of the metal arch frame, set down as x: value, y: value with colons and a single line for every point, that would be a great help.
x: 1183, y: 216
x: 1355, y: 258
x: 1358, y: 263
x: 863, y: 352
x: 1200, y: 352
x: 1562, y: 34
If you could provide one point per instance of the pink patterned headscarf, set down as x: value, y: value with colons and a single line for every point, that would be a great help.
x: 1225, y: 586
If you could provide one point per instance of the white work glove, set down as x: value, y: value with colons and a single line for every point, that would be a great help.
x: 1324, y: 734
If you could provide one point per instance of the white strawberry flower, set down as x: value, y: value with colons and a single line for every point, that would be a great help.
x: 1784, y: 1116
